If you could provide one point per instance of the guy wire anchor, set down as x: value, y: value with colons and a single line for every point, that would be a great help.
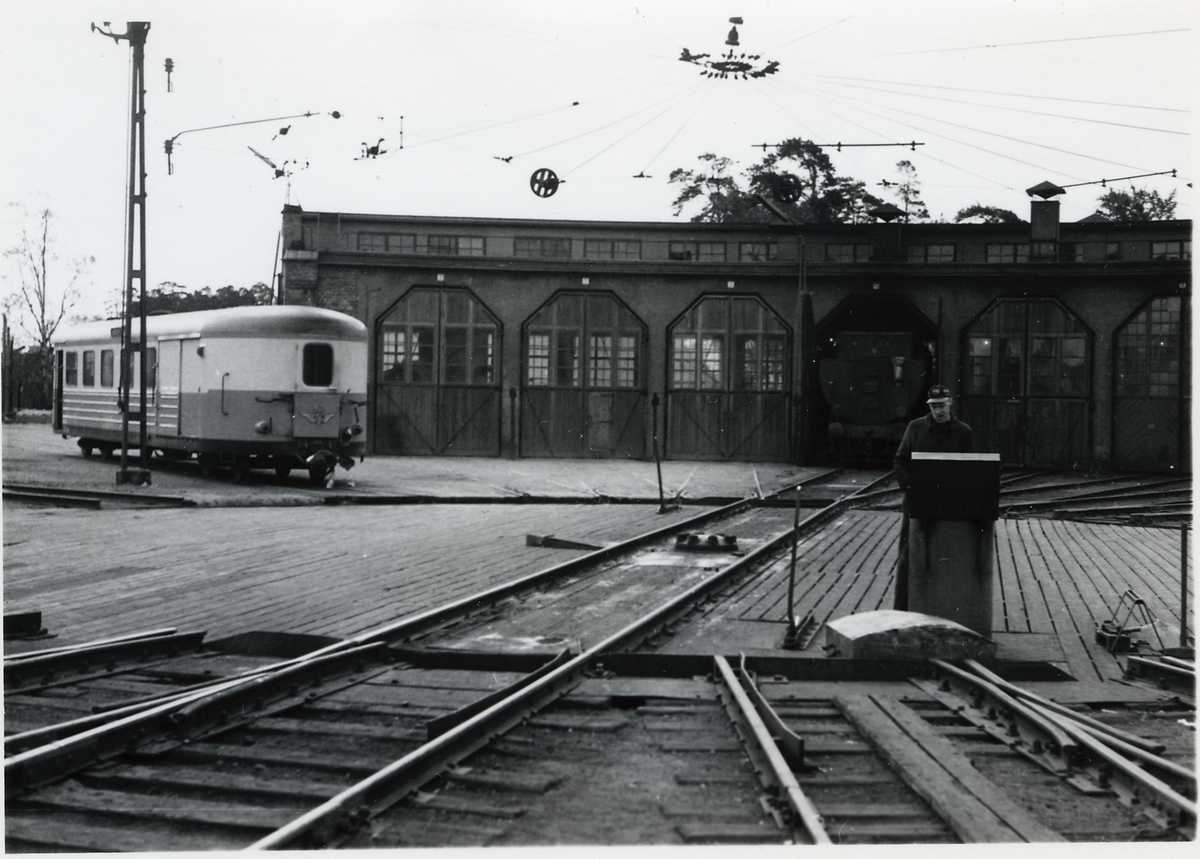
x: 1116, y: 635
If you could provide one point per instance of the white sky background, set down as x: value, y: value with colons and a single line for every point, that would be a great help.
x: 1003, y: 93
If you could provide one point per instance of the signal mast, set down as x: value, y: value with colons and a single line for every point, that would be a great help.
x: 135, y: 34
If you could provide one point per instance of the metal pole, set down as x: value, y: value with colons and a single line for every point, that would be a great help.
x: 791, y: 618
x: 135, y: 34
x: 662, y: 504
x: 1183, y: 600
x: 138, y: 43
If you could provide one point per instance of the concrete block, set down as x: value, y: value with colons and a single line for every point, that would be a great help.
x: 890, y: 634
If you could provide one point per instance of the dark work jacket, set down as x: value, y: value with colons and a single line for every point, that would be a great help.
x: 924, y: 435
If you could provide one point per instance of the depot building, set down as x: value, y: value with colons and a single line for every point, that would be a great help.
x: 1067, y: 345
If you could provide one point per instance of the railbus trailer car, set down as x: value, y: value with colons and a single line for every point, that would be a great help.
x: 278, y: 387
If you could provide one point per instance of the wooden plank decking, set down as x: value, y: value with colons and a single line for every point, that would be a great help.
x: 1053, y: 577
x: 324, y: 571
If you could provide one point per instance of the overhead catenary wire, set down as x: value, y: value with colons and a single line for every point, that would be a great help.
x: 1015, y: 109
x: 440, y: 136
x: 1026, y: 43
x: 678, y: 96
x: 783, y: 45
x: 1171, y: 173
x: 670, y: 140
x: 625, y: 137
x: 785, y: 109
x: 950, y: 164
x: 1008, y: 94
x: 862, y: 169
x: 990, y: 134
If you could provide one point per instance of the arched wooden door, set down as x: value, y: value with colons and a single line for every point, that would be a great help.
x: 437, y: 387
x: 1152, y: 396
x: 583, y: 387
x: 727, y: 390
x: 1027, y: 384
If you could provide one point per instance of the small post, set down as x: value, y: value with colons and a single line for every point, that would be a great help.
x: 791, y: 617
x: 1183, y: 600
x: 512, y: 423
x: 663, y: 507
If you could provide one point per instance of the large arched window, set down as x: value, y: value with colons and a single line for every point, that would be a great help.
x: 437, y: 382
x: 582, y: 378
x: 729, y: 344
x: 438, y: 336
x: 1152, y: 390
x: 1027, y: 383
x: 727, y: 383
x: 583, y: 341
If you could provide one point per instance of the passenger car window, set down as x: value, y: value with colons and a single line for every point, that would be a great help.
x: 318, y: 365
x: 106, y: 368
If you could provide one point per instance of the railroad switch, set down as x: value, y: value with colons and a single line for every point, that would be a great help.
x: 706, y: 542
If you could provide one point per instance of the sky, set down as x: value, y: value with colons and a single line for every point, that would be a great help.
x: 470, y: 98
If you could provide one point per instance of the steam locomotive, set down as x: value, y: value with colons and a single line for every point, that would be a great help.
x: 872, y: 386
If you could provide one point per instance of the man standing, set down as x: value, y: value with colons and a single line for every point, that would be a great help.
x: 937, y: 432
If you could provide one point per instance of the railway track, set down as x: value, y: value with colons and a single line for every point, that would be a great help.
x: 93, y: 499
x: 509, y: 718
x: 1137, y: 499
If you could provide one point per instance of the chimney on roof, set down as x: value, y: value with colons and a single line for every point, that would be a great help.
x: 1043, y: 213
x: 1043, y: 221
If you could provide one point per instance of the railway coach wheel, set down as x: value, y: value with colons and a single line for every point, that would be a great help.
x: 241, y: 469
x: 86, y: 449
x: 106, y: 451
x: 319, y: 476
x: 208, y: 464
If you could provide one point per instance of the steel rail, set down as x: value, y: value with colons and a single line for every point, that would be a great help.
x: 1139, y: 780
x: 183, y: 717
x: 1165, y: 675
x: 65, y: 756
x: 791, y: 746
x: 1188, y: 664
x: 1170, y: 768
x: 51, y: 499
x: 1013, y: 723
x: 16, y: 743
x: 781, y: 776
x: 406, y: 626
x: 340, y: 816
x: 1096, y: 725
x: 100, y: 660
x: 31, y: 491
x: 1126, y: 479
x: 432, y: 617
x: 1130, y: 490
x: 49, y: 651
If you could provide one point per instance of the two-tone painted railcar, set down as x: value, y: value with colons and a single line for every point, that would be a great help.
x: 277, y: 387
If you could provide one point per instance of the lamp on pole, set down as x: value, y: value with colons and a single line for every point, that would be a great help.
x: 169, y: 145
x: 135, y: 238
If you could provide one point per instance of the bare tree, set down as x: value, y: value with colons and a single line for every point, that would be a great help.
x: 43, y: 289
x: 908, y: 192
x: 46, y: 284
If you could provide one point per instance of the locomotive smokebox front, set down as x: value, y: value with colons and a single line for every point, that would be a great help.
x: 871, y: 386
